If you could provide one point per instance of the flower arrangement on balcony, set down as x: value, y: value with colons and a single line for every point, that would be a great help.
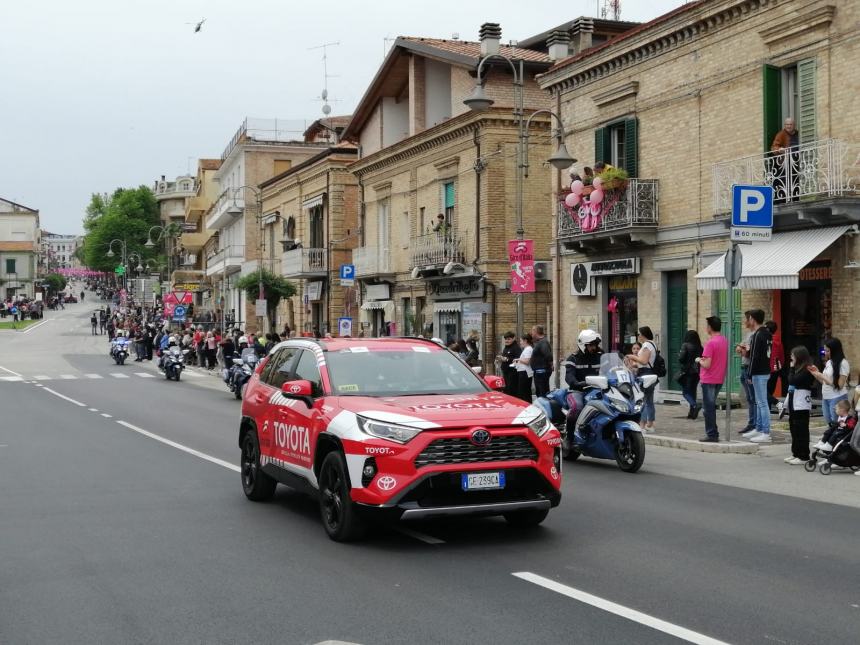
x: 586, y: 205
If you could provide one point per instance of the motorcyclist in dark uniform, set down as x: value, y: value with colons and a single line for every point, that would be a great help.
x: 585, y: 362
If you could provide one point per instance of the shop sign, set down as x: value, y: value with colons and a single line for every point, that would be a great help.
x: 313, y: 290
x: 623, y: 266
x: 454, y: 289
x: 522, y: 258
x: 186, y: 286
x: 377, y: 292
x: 581, y: 283
x: 815, y: 272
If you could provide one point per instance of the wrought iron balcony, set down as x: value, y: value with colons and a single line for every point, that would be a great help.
x: 632, y: 212
x: 371, y: 260
x: 435, y: 249
x: 304, y: 263
x: 802, y: 175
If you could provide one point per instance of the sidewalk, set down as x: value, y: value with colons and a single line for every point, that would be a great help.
x: 674, y: 430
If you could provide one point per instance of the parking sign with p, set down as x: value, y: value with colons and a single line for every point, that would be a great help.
x: 752, y: 213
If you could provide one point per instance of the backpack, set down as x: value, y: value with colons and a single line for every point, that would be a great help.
x: 659, y: 364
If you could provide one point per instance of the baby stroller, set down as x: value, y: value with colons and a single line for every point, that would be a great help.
x: 846, y: 453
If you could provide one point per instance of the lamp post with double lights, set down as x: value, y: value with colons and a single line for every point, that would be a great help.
x: 478, y: 101
x: 123, y: 257
x: 164, y: 232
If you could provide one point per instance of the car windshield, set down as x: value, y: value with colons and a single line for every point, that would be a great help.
x: 359, y: 371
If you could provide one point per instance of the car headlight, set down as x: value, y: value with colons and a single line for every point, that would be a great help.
x: 540, y: 425
x: 390, y: 431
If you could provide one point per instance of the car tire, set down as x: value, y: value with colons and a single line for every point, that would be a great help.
x: 630, y: 455
x: 257, y: 485
x: 525, y: 519
x: 339, y: 514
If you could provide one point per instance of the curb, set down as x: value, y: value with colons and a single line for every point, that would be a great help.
x: 724, y: 447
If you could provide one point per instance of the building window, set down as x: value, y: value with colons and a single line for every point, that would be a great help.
x: 290, y: 229
x: 317, y: 240
x: 405, y: 232
x: 789, y: 92
x: 10, y: 265
x: 382, y: 214
x: 617, y: 143
x: 421, y: 222
x: 449, y: 200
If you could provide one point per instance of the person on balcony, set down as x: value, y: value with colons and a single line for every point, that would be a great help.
x: 441, y: 225
x: 786, y: 163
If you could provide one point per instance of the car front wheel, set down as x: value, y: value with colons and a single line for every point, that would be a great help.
x: 256, y: 484
x: 339, y: 513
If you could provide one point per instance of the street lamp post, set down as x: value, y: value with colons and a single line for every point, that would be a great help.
x: 163, y: 232
x: 123, y: 259
x: 478, y: 101
x: 258, y: 195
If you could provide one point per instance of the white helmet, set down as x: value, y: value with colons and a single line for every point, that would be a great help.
x: 171, y: 340
x: 243, y: 340
x: 586, y: 337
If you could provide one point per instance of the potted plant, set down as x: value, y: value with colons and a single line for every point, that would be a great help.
x: 614, y: 179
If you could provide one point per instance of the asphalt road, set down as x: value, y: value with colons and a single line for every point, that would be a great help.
x: 108, y: 535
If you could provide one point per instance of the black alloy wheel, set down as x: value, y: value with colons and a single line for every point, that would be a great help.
x: 256, y: 484
x: 339, y: 514
x: 630, y: 453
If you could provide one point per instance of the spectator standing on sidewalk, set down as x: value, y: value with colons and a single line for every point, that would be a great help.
x: 691, y: 349
x: 799, y: 401
x: 712, y: 373
x: 644, y: 360
x: 834, y: 378
x: 777, y: 362
x: 524, y: 370
x: 759, y: 351
x: 746, y: 383
x: 541, y: 362
x: 510, y: 352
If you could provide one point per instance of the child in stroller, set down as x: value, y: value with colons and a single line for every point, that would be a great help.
x: 840, y: 445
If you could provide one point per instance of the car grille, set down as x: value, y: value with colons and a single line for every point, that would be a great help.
x: 463, y: 451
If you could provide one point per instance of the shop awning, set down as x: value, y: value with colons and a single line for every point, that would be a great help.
x: 444, y: 307
x: 774, y: 264
x: 376, y: 304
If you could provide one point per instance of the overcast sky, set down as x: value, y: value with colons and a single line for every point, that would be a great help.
x: 96, y: 94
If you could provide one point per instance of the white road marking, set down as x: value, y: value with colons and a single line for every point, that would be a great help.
x: 36, y: 326
x: 93, y: 375
x: 92, y: 409
x: 194, y: 374
x: 68, y: 377
x: 11, y: 379
x: 144, y: 375
x: 64, y: 397
x: 429, y: 539
x: 677, y: 631
x: 41, y: 377
x: 119, y: 375
x: 106, y: 416
x: 9, y: 371
x: 179, y: 446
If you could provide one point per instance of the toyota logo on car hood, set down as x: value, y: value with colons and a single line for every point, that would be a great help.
x: 480, y: 437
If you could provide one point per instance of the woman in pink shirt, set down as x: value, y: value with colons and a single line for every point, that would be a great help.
x: 712, y: 373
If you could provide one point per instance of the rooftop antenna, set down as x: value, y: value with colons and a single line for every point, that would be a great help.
x: 326, y: 108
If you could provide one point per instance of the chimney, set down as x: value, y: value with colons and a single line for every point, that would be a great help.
x: 582, y: 32
x: 559, y: 45
x: 490, y: 36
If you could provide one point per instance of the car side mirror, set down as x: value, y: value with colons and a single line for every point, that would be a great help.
x: 494, y: 382
x: 301, y: 390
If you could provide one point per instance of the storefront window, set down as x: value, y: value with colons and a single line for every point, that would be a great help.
x: 449, y: 326
x: 623, y: 312
x: 807, y: 311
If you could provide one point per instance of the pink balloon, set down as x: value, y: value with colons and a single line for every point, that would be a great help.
x: 596, y: 196
x: 597, y: 183
x: 572, y: 199
x: 576, y: 187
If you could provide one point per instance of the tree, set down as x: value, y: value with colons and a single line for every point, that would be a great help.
x: 54, y: 282
x: 126, y: 215
x: 275, y: 288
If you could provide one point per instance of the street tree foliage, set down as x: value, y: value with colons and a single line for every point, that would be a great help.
x: 54, y: 282
x: 126, y: 215
x: 275, y: 289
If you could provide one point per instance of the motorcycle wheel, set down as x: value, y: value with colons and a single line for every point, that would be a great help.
x: 167, y: 374
x: 237, y: 391
x: 631, y: 452
x: 178, y: 374
x: 121, y: 360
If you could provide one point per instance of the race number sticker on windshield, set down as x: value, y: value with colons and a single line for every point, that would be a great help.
x: 425, y: 350
x: 624, y: 377
x: 349, y: 387
x: 358, y: 350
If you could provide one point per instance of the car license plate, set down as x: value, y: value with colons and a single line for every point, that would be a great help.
x: 483, y: 481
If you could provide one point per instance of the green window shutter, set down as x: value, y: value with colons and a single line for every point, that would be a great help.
x: 631, y: 146
x: 10, y: 265
x: 806, y: 120
x: 601, y: 145
x: 449, y: 195
x: 772, y: 104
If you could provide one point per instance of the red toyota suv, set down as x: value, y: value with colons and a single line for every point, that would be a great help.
x: 398, y: 427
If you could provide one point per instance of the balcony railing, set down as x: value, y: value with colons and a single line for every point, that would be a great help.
x: 226, y: 259
x: 371, y: 260
x: 303, y: 262
x: 221, y: 213
x: 635, y: 207
x: 822, y: 169
x: 436, y: 248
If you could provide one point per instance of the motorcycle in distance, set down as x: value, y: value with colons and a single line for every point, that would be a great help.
x: 173, y: 362
x: 119, y: 349
x: 607, y: 427
x: 240, y: 373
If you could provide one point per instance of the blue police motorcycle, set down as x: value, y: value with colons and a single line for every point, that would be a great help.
x: 607, y: 425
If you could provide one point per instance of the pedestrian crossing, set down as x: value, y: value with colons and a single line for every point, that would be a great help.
x: 90, y: 376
